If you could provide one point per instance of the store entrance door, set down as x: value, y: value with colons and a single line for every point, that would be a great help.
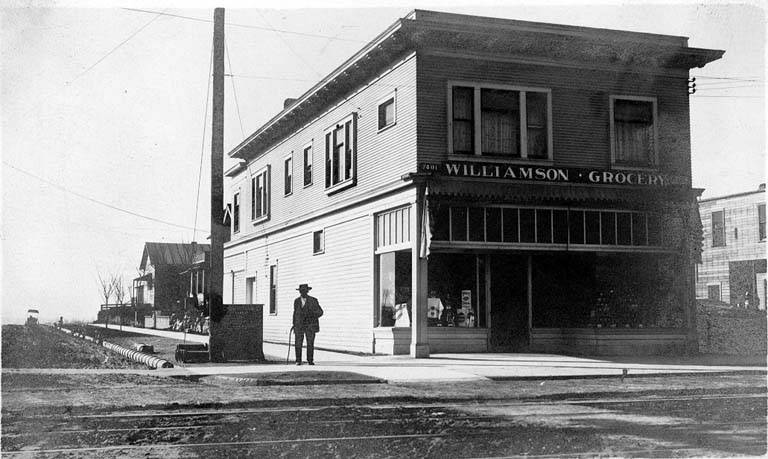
x: 509, y: 303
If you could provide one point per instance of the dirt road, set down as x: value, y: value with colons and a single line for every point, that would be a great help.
x: 717, y: 424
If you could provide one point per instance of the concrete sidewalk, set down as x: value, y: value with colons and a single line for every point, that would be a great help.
x: 469, y: 367
x: 464, y: 367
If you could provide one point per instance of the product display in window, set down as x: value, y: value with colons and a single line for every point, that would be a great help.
x: 456, y: 288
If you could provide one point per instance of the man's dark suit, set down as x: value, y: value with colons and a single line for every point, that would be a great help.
x: 305, y: 323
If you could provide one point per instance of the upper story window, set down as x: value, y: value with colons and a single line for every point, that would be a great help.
x: 236, y: 213
x: 308, y: 164
x: 633, y: 131
x: 341, y: 154
x: 260, y: 195
x: 761, y: 221
x: 500, y: 121
x: 288, y: 175
x: 387, y: 111
x: 718, y: 228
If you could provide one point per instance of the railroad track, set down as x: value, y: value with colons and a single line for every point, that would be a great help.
x: 395, y: 429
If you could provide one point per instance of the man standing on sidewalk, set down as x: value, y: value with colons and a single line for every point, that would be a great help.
x: 306, y: 311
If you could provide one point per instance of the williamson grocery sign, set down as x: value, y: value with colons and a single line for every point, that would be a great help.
x: 551, y: 174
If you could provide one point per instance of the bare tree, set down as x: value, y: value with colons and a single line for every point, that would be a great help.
x: 119, y: 288
x: 107, y: 288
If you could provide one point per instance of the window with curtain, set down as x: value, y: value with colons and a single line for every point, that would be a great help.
x: 633, y: 131
x: 536, y: 110
x: 513, y: 123
x: 500, y: 122
x: 463, y: 119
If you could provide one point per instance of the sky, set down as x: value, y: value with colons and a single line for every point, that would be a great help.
x: 104, y: 121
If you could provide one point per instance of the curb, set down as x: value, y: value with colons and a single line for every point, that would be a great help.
x: 629, y: 375
x: 255, y: 381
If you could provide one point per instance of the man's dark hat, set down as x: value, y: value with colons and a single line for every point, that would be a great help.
x: 306, y: 286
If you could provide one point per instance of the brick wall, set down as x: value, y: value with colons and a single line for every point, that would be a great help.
x: 731, y: 331
x: 238, y: 335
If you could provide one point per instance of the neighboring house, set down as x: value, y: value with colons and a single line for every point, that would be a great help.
x: 161, y: 289
x: 466, y: 184
x: 733, y: 261
x: 196, y: 278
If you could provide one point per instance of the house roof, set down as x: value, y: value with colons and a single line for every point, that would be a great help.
x: 430, y: 31
x: 171, y: 254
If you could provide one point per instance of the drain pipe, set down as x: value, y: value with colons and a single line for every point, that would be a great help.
x: 149, y: 360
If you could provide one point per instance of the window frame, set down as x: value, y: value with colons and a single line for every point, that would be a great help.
x: 266, y: 201
x: 236, y: 211
x: 315, y: 251
x: 477, y: 121
x: 251, y: 281
x: 761, y: 230
x: 308, y: 147
x: 710, y: 288
x: 625, y: 240
x: 273, y: 290
x: 654, y: 163
x: 393, y: 97
x: 287, y: 179
x: 351, y: 121
x: 724, y: 230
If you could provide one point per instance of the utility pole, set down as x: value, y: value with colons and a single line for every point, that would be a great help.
x: 218, y: 230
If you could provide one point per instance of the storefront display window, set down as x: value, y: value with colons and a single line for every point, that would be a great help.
x: 456, y: 290
x: 606, y: 291
x: 544, y: 225
x: 394, y: 298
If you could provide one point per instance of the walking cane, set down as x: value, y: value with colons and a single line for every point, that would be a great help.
x: 289, y: 344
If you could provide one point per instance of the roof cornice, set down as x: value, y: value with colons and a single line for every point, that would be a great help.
x: 429, y: 31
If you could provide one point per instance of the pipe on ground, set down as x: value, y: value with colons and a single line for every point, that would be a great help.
x: 149, y: 360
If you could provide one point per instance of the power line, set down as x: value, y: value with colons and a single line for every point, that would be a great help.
x: 247, y: 26
x: 202, y: 146
x: 735, y: 97
x: 263, y: 77
x: 260, y: 77
x: 288, y: 45
x: 94, y: 200
x: 116, y: 47
x: 725, y: 88
x: 726, y: 78
x: 234, y: 92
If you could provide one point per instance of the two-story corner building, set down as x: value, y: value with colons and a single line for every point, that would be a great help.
x: 466, y: 184
x: 733, y: 260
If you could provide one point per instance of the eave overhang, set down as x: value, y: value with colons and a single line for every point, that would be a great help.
x: 427, y: 31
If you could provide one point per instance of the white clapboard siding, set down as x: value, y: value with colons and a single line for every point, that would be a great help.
x: 742, y: 240
x: 233, y: 261
x: 341, y: 277
x: 382, y: 157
